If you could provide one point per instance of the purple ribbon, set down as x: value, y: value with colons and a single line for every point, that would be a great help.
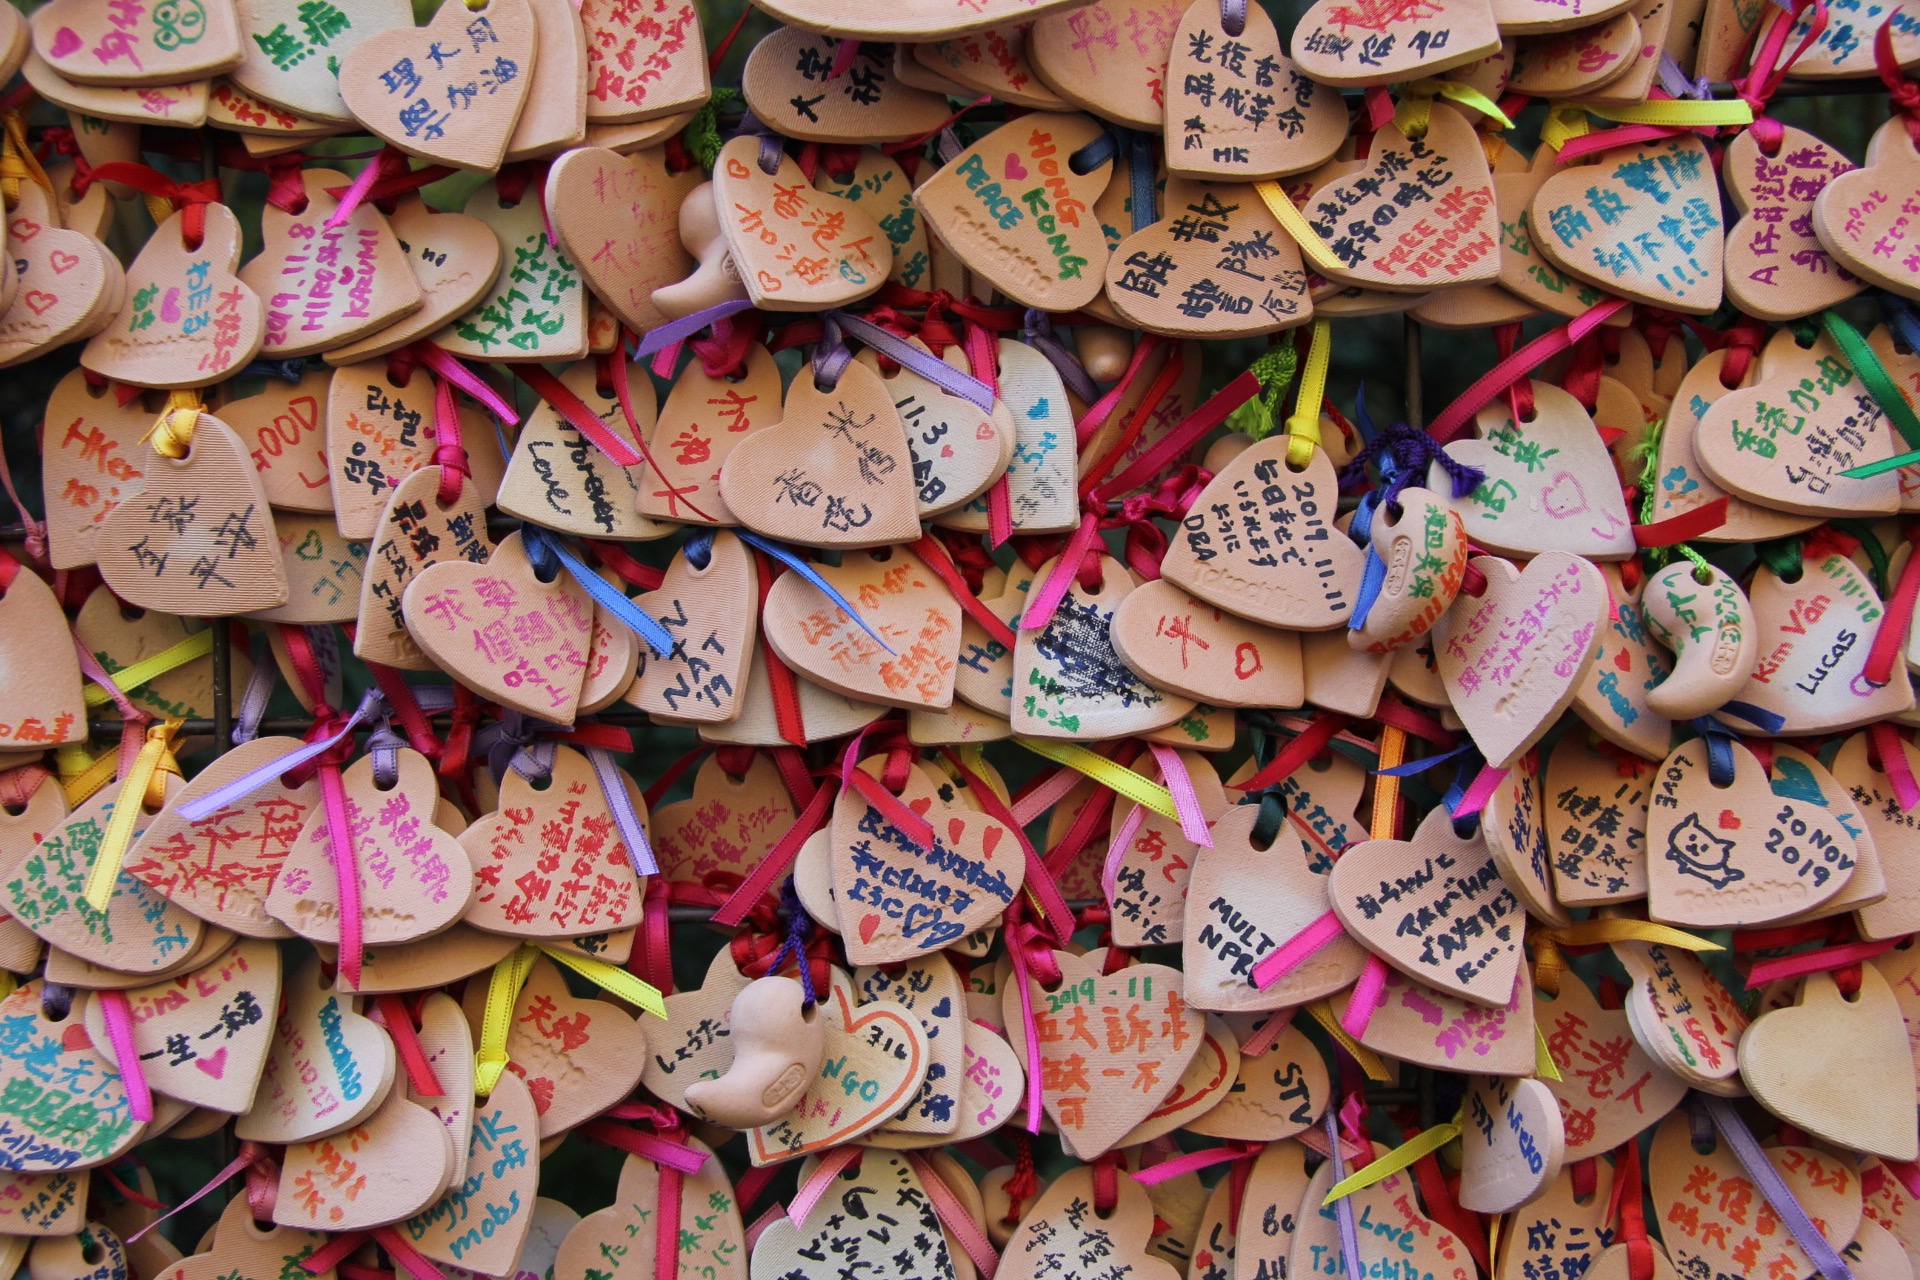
x: 259, y: 690
x: 953, y: 381
x: 1825, y: 1257
x: 686, y: 326
x: 1040, y: 336
x: 831, y: 355
x: 1343, y: 1207
x: 247, y: 784
x: 801, y: 566
x: 1233, y: 16
x: 613, y: 785
x: 1673, y: 78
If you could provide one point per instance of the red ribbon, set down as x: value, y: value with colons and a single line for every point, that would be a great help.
x: 189, y: 198
x: 1905, y: 92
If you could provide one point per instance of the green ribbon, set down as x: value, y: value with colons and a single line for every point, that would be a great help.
x: 1881, y: 386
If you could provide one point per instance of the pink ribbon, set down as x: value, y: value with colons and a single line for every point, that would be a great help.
x: 1186, y: 801
x: 1457, y: 416
x: 1044, y: 796
x: 1269, y: 1033
x: 808, y: 1193
x: 1368, y: 993
x: 346, y: 872
x: 251, y: 1155
x: 1294, y: 952
x: 406, y: 1255
x: 119, y: 1016
x: 1825, y: 960
x: 1485, y: 783
x: 1117, y: 849
x: 1893, y: 759
x: 954, y: 1217
x: 1045, y: 599
x: 449, y: 366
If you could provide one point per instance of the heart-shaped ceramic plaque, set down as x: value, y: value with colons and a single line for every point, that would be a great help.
x: 898, y: 598
x: 1435, y: 908
x: 797, y: 249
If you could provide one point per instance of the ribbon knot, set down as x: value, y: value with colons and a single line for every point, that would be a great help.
x: 190, y: 199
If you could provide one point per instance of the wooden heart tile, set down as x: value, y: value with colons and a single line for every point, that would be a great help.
x: 881, y: 181
x: 1420, y: 1024
x: 835, y: 471
x: 1814, y: 636
x: 1109, y: 57
x: 959, y: 449
x: 1596, y: 824
x: 578, y: 1057
x: 449, y: 92
x: 881, y: 1045
x: 329, y: 1068
x: 1681, y: 484
x: 494, y: 1186
x: 696, y: 1041
x: 43, y: 889
x: 1610, y: 1088
x: 1235, y: 919
x: 887, y: 1189
x: 536, y: 307
x: 1191, y: 648
x: 618, y: 219
x: 1216, y: 265
x: 1785, y: 441
x: 1787, y: 1058
x: 1642, y: 222
x: 1280, y: 561
x: 204, y: 1038
x: 1549, y: 486
x: 294, y: 64
x: 549, y: 861
x: 90, y: 459
x: 789, y: 82
x: 1683, y: 1016
x: 1068, y: 681
x: 619, y: 1241
x: 180, y: 105
x: 506, y: 634
x: 898, y: 900
x: 1866, y: 779
x: 41, y: 704
x: 1455, y: 245
x: 48, y: 1132
x: 1737, y: 854
x: 1523, y: 271
x: 414, y: 531
x: 326, y: 285
x: 991, y: 1088
x: 1042, y: 473
x: 703, y: 419
x: 286, y: 435
x: 188, y: 319
x: 118, y: 637
x: 383, y: 1170
x: 1551, y: 613
x: 446, y: 1042
x: 1149, y: 894
x: 897, y: 596
x: 1512, y: 1144
x: 1435, y: 908
x: 66, y: 282
x: 797, y: 249
x: 725, y: 827
x: 908, y: 20
x: 1612, y: 696
x: 643, y: 61
x: 1368, y: 42
x: 1243, y: 137
x: 162, y: 44
x: 200, y: 538
x: 454, y: 259
x: 44, y: 1204
x: 1777, y: 268
x: 932, y: 990
x: 1391, y: 1210
x: 1013, y: 209
x: 1844, y: 47
x: 1585, y: 60
x: 1682, y: 1177
x: 380, y: 433
x: 993, y: 61
x: 703, y: 678
x: 415, y: 879
x: 560, y: 480
x: 1112, y: 1046
x: 1863, y: 218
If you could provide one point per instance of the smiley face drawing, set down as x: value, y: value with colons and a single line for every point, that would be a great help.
x: 1698, y: 852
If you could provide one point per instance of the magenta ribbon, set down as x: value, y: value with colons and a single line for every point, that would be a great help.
x: 1484, y: 784
x: 119, y: 1016
x: 450, y: 367
x: 1293, y: 953
x: 346, y: 871
x: 1365, y: 997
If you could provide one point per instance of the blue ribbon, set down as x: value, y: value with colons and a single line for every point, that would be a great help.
x: 543, y: 549
x: 805, y: 569
x: 1425, y: 763
x: 1903, y: 318
x: 290, y: 369
x: 1143, y: 166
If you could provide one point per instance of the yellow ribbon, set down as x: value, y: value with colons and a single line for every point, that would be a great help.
x: 17, y: 161
x: 1415, y: 111
x: 1675, y: 112
x: 1423, y: 1143
x: 135, y: 794
x: 1295, y: 224
x: 1564, y: 124
x: 197, y: 645
x: 1549, y: 965
x: 1376, y: 1070
x: 1544, y: 1067
x: 503, y: 991
x: 1117, y: 778
x: 1386, y: 786
x: 1303, y: 428
x: 172, y: 431
x: 81, y: 774
x: 1494, y: 1224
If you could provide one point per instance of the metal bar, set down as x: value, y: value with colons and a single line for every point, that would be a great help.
x: 222, y: 684
x: 1410, y: 336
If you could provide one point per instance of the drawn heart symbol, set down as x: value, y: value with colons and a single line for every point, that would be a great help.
x: 1623, y: 660
x: 1411, y: 902
x: 214, y: 1064
x: 946, y: 451
x: 1015, y: 169
x: 65, y: 41
x: 943, y: 893
x: 62, y: 262
x: 1729, y: 820
x: 23, y: 228
x: 985, y: 431
x: 170, y: 307
x: 888, y: 1047
x: 776, y: 224
x: 39, y: 301
x: 75, y: 1038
